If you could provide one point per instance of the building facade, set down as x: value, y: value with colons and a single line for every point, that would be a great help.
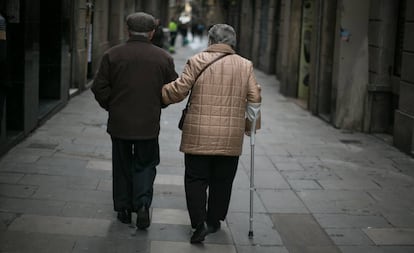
x: 53, y: 55
x: 349, y: 62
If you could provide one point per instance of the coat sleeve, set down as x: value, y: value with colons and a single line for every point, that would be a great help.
x: 101, y: 86
x: 172, y: 75
x: 254, y: 89
x: 178, y: 90
x: 254, y: 98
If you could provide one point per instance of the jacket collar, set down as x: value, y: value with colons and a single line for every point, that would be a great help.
x: 221, y: 48
x: 138, y: 38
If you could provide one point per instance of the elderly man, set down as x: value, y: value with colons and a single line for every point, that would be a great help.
x: 128, y: 85
x: 222, y: 85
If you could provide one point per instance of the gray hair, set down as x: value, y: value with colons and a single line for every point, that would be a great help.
x: 223, y: 34
x: 146, y: 34
x: 140, y: 22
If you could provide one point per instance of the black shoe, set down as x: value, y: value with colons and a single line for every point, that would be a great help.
x: 213, y: 227
x: 124, y: 216
x: 199, y: 234
x: 143, y: 219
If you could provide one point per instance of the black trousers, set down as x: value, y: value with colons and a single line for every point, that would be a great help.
x: 133, y: 172
x: 215, y: 173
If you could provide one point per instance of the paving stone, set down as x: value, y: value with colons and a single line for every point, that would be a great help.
x: 360, y: 249
x: 169, y: 179
x: 391, y: 236
x: 261, y: 249
x: 104, y: 185
x: 168, y: 201
x: 164, y: 232
x: 377, y: 249
x: 88, y: 210
x: 22, y: 158
x: 313, y: 249
x: 99, y: 165
x: 240, y: 201
x: 390, y: 180
x: 313, y: 173
x: 282, y: 201
x: 6, y: 219
x: 105, y: 245
x: 42, y: 145
x: 31, y: 206
x: 20, y: 241
x: 281, y: 166
x: 263, y: 230
x: 169, y: 190
x: 60, y: 225
x: 20, y: 191
x: 348, y: 236
x: 171, y: 158
x: 241, y: 180
x: 10, y: 178
x: 170, y: 170
x: 180, y: 247
x: 299, y: 185
x: 273, y: 149
x: 351, y: 221
x: 354, y: 184
x: 261, y: 163
x: 65, y: 162
x: 86, y: 196
x: 337, y: 201
x: 402, y: 218
x: 170, y: 216
x: 222, y: 236
x: 270, y: 180
x: 300, y: 232
x: 68, y: 182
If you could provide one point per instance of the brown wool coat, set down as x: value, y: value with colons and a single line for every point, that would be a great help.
x: 215, y: 122
x: 128, y: 85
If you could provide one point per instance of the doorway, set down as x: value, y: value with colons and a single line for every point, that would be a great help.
x: 307, y: 28
x: 50, y: 56
x: 324, y: 57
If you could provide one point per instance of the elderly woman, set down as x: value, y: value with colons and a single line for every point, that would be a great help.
x: 213, y: 130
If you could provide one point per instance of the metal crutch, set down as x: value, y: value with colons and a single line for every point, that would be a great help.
x: 253, y: 110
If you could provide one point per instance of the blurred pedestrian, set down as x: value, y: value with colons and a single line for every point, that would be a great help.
x: 158, y: 38
x: 173, y: 28
x: 183, y: 29
x: 128, y: 85
x: 214, y: 127
x: 4, y: 72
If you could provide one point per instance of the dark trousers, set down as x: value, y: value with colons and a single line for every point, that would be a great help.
x: 133, y: 172
x: 215, y: 173
x: 173, y: 37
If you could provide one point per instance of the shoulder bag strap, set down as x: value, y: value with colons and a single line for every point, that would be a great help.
x: 205, y: 67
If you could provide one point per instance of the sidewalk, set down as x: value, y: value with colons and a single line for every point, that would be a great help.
x: 319, y: 189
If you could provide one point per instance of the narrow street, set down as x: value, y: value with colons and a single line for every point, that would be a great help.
x: 318, y: 189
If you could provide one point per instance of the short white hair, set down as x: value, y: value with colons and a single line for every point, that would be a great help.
x: 145, y: 34
x: 222, y: 34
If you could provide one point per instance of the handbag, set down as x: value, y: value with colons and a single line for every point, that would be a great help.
x: 184, y: 111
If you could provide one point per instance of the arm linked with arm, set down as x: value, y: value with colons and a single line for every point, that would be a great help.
x: 178, y: 90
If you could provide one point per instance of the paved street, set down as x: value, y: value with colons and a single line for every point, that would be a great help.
x: 319, y: 189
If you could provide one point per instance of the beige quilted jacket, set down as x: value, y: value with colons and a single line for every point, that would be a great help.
x: 215, y: 122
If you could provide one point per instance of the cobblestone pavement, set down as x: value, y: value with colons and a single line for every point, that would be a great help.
x: 319, y: 189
